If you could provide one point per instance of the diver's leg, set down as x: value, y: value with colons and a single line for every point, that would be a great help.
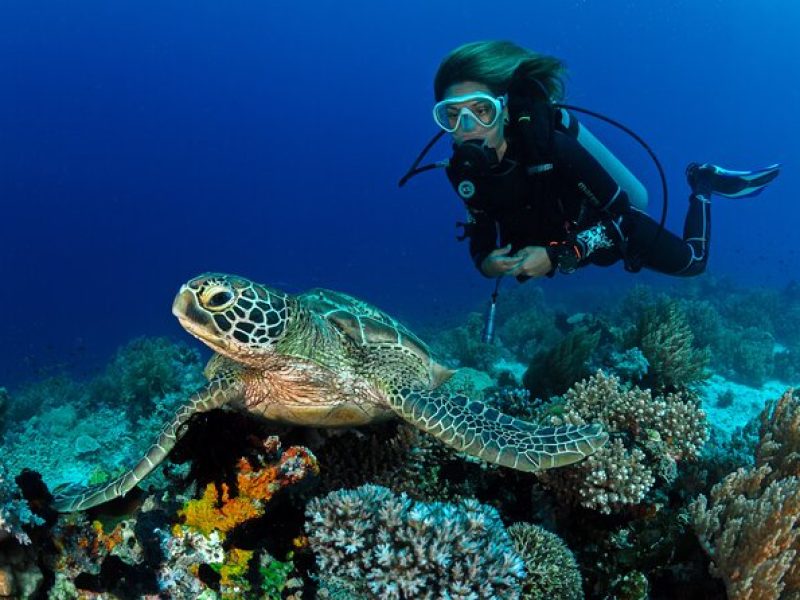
x: 663, y: 251
x: 688, y: 256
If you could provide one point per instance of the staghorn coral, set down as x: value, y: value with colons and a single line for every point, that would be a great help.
x: 552, y: 571
x: 389, y: 547
x: 750, y: 524
x: 660, y: 430
x: 667, y: 342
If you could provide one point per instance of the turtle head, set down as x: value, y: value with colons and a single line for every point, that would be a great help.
x: 233, y: 315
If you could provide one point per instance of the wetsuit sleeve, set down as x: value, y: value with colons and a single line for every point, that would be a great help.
x: 586, y: 179
x: 482, y: 232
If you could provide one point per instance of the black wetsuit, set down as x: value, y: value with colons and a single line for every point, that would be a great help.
x: 577, y: 200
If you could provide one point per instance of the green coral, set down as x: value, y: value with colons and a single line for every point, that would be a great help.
x: 463, y: 345
x: 552, y: 571
x: 552, y: 372
x: 142, y: 371
x: 666, y: 340
x: 752, y: 355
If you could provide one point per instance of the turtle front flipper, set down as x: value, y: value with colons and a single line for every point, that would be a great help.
x: 479, y: 430
x: 217, y: 392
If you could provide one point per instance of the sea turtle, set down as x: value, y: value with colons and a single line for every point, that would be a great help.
x: 325, y: 359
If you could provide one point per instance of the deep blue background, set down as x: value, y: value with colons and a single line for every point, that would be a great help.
x: 142, y: 143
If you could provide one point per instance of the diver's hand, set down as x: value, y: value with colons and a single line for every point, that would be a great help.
x: 498, y: 262
x: 535, y: 262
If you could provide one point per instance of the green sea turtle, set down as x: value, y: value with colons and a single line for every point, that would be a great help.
x: 326, y: 359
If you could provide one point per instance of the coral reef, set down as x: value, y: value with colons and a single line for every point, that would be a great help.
x: 750, y: 523
x: 4, y: 401
x: 143, y: 370
x: 751, y: 357
x: 255, y: 487
x: 664, y: 337
x: 74, y: 434
x: 552, y: 372
x: 463, y: 347
x: 660, y: 431
x: 387, y: 546
x: 15, y: 513
x: 551, y: 568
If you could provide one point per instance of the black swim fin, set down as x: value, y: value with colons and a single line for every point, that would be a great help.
x: 711, y: 179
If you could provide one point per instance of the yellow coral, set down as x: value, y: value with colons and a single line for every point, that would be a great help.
x: 235, y: 566
x: 203, y: 514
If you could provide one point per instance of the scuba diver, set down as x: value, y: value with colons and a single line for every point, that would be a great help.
x: 542, y: 193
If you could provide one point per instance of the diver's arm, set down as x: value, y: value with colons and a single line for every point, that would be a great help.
x: 577, y: 250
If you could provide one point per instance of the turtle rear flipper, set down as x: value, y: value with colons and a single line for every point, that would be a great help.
x: 479, y: 430
x: 216, y: 393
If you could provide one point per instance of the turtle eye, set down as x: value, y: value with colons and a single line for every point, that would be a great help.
x: 218, y: 298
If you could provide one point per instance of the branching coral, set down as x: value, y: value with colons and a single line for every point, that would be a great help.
x: 661, y: 431
x: 750, y: 524
x: 675, y: 419
x: 389, y: 547
x: 779, y: 437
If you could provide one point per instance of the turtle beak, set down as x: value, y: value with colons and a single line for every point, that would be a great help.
x: 191, y: 317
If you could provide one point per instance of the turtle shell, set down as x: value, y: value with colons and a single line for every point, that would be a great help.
x: 362, y: 322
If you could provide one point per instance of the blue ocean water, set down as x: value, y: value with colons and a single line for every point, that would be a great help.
x: 143, y: 143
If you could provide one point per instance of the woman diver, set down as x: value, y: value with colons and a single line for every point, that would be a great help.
x: 541, y: 192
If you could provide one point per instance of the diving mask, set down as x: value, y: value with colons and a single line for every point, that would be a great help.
x: 463, y: 111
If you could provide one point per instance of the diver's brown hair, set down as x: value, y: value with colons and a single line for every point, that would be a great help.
x: 492, y: 63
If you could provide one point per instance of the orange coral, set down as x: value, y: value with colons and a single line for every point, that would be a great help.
x: 256, y: 487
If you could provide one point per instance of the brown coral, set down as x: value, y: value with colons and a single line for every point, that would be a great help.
x: 750, y: 524
x: 752, y: 533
